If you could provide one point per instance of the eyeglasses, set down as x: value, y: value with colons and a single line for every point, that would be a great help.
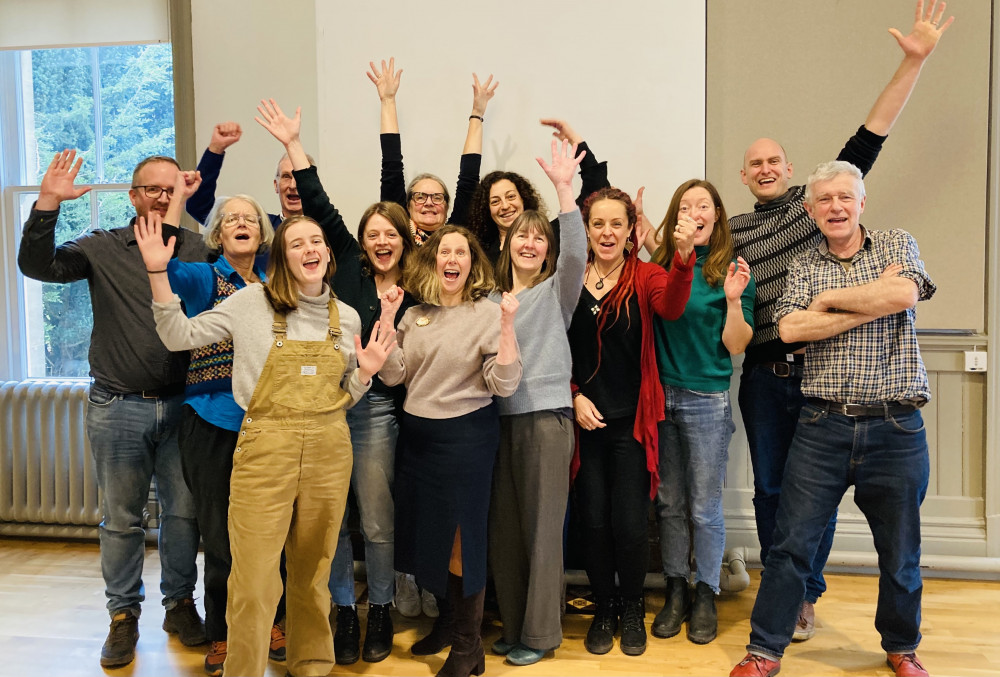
x: 154, y: 192
x: 435, y: 198
x: 231, y: 219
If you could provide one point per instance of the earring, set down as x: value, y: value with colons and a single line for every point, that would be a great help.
x: 629, y: 246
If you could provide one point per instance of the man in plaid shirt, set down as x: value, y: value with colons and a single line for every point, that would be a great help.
x: 853, y: 299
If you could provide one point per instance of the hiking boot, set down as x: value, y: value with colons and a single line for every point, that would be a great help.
x: 183, y: 619
x: 347, y: 637
x: 215, y: 658
x: 601, y: 635
x: 704, y: 622
x: 676, y: 607
x: 119, y: 647
x: 276, y: 649
x: 378, y: 634
x: 633, y: 641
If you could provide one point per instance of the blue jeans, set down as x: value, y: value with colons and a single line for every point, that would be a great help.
x: 770, y: 407
x: 694, y: 448
x: 374, y: 430
x: 134, y: 439
x: 886, y: 460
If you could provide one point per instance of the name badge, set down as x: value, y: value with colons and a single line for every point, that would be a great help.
x: 308, y: 370
x: 789, y: 357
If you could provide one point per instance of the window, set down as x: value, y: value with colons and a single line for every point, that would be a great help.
x: 115, y: 105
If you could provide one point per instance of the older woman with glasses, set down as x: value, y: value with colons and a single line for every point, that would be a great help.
x: 426, y: 197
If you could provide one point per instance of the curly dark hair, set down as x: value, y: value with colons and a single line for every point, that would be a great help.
x: 481, y: 222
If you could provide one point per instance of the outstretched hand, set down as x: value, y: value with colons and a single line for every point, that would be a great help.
x: 737, y: 279
x: 563, y: 131
x: 58, y: 182
x: 386, y: 79
x: 149, y: 236
x: 373, y: 356
x: 927, y: 30
x: 274, y: 120
x: 482, y: 93
x: 224, y: 135
x: 564, y: 164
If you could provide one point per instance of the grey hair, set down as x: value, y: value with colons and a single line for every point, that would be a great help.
x: 421, y: 177
x: 213, y: 223
x: 830, y: 170
x: 284, y: 156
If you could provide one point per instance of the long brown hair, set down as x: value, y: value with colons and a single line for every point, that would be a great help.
x: 527, y: 221
x: 720, y: 243
x: 281, y: 289
x: 400, y: 220
x: 420, y: 277
x: 624, y: 289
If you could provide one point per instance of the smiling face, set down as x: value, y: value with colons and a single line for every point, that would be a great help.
x: 528, y: 251
x: 428, y: 216
x: 836, y: 206
x: 284, y: 186
x: 307, y: 256
x: 383, y: 245
x: 160, y: 174
x: 766, y: 171
x: 454, y: 261
x: 697, y: 205
x: 608, y: 230
x: 239, y: 237
x: 505, y: 204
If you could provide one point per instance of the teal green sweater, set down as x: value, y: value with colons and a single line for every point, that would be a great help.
x: 689, y: 350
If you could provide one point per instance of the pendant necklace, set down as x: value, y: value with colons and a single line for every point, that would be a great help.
x: 602, y: 278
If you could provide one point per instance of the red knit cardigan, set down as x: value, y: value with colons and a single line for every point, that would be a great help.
x: 664, y: 293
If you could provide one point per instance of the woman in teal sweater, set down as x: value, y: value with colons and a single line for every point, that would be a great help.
x: 694, y: 356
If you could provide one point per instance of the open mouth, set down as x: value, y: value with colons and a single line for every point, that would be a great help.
x: 383, y: 255
x: 451, y: 275
x: 292, y: 197
x: 242, y: 236
x: 766, y: 182
x: 311, y: 264
x: 837, y: 220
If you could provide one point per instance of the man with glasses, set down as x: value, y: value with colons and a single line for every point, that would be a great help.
x: 135, y: 398
x: 224, y: 135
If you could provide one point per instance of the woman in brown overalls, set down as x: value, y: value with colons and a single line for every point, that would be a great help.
x: 296, y: 375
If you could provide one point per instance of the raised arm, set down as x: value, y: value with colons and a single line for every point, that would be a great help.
x: 917, y: 46
x: 386, y: 80
x: 572, y: 261
x: 37, y: 256
x: 472, y: 153
x: 593, y: 174
x: 224, y: 135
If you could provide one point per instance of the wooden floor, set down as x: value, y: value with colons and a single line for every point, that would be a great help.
x: 53, y: 622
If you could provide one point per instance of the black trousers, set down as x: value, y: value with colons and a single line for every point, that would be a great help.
x: 207, y: 464
x: 611, y: 498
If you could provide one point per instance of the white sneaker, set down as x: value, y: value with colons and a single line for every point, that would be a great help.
x: 429, y: 604
x: 407, y: 597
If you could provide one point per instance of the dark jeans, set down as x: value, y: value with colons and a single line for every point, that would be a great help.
x: 207, y: 464
x: 886, y: 460
x: 611, y: 496
x: 770, y: 407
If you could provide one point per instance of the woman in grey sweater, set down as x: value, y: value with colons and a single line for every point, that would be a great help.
x: 531, y: 477
x: 295, y: 371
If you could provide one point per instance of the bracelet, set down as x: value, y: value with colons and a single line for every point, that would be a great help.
x: 154, y: 272
x: 577, y: 394
x: 478, y: 117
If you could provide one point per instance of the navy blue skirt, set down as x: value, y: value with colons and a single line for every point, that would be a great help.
x: 444, y: 472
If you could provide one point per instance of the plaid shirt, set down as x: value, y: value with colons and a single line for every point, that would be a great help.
x: 878, y: 361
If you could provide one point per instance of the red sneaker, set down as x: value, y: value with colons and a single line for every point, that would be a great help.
x: 905, y: 665
x: 756, y: 666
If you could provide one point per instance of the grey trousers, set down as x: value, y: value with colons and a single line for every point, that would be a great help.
x: 527, y: 510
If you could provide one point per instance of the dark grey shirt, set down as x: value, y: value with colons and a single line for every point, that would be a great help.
x: 126, y: 355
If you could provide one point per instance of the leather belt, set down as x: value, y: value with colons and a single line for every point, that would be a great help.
x: 847, y: 409
x: 158, y: 393
x: 782, y: 369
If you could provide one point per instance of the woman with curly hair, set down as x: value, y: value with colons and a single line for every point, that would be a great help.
x: 618, y: 401
x: 695, y: 357
x: 502, y: 196
x: 455, y: 351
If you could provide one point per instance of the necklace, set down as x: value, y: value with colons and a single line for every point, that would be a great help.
x: 602, y: 278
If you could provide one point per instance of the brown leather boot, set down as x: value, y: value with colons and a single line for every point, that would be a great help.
x: 467, y: 656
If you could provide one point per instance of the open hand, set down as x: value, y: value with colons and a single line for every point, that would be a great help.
x: 386, y: 79
x: 737, y: 279
x: 274, y: 120
x: 372, y: 357
x: 482, y: 93
x: 149, y: 236
x: 564, y: 164
x: 58, y: 182
x: 927, y: 30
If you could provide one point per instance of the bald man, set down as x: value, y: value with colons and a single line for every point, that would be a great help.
x: 778, y: 229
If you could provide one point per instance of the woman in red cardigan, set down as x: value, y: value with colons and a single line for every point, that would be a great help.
x: 618, y: 401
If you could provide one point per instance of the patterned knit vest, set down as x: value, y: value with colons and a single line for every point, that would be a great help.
x: 211, y: 367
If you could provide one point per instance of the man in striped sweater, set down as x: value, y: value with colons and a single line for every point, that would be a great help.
x: 769, y: 238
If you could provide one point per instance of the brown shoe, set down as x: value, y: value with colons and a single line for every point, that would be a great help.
x: 119, y: 647
x: 215, y: 657
x: 276, y: 650
x: 183, y: 619
x: 805, y: 627
x: 905, y: 665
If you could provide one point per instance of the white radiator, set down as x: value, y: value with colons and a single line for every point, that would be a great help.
x: 47, y: 478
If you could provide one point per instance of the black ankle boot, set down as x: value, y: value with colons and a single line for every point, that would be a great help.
x: 676, y: 608
x: 378, y: 634
x: 467, y: 656
x: 704, y: 623
x: 601, y: 635
x: 633, y: 642
x: 347, y: 636
x: 439, y: 637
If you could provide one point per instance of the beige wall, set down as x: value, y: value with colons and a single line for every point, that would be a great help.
x: 806, y: 73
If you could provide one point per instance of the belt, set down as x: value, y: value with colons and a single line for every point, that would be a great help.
x: 847, y: 409
x: 158, y: 393
x: 782, y: 369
